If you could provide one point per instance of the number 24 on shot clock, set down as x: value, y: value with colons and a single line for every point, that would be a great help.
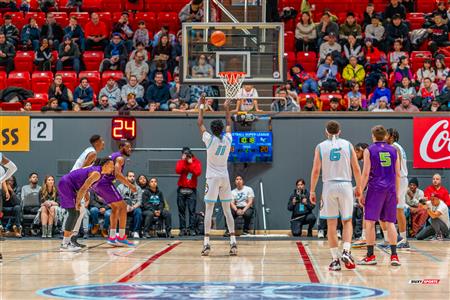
x: 123, y: 128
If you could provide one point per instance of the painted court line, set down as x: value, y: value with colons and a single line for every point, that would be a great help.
x: 141, y: 267
x: 308, y: 264
x: 315, y: 263
x: 426, y: 254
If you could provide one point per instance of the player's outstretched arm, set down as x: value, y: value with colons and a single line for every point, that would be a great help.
x: 201, y: 108
x: 90, y: 158
x: 356, y: 173
x: 315, y: 173
x: 119, y: 176
x: 83, y: 192
x: 11, y: 168
x: 227, y: 115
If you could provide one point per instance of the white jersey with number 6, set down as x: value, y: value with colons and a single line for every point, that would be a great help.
x: 335, y: 155
x: 217, y: 152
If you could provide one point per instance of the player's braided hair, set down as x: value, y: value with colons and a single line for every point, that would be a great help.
x: 392, y: 132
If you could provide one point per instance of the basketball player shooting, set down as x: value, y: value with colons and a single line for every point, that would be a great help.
x: 217, y: 179
x: 337, y: 159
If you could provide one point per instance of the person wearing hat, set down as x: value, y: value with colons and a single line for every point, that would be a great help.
x: 438, y: 34
x: 116, y: 54
x: 68, y: 55
x: 375, y: 30
x: 189, y: 168
x: 123, y: 28
x: 395, y: 8
x: 10, y: 30
x: 325, y: 27
x: 382, y: 105
x: 406, y: 106
x: 397, y: 29
x: 350, y: 27
x: 418, y: 214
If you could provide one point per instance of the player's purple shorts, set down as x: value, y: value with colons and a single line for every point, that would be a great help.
x: 381, y: 205
x: 105, y: 189
x: 68, y: 194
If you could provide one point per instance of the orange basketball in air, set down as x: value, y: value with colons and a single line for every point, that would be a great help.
x: 218, y: 38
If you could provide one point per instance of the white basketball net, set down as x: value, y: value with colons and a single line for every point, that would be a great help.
x: 232, y: 82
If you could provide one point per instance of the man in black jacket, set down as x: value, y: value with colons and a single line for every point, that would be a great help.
x: 438, y: 34
x: 69, y: 55
x: 397, y: 30
x: 393, y: 9
x: 52, y: 31
x: 10, y: 30
x: 116, y: 54
x: 302, y: 209
x: 153, y: 209
x: 7, y: 53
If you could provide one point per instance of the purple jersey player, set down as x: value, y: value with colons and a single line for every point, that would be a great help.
x: 73, y: 187
x: 381, y: 175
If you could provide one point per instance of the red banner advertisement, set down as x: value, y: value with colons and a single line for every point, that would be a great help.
x: 431, y: 143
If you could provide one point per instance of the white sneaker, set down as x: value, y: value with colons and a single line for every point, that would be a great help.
x: 69, y: 248
x: 320, y: 234
x: 339, y: 234
x: 136, y: 235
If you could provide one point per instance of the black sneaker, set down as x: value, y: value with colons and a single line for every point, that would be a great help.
x: 74, y: 241
x: 233, y: 249
x: 226, y: 234
x: 335, y: 265
x: 206, y: 250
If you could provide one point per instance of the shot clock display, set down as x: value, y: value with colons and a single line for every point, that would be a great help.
x: 123, y: 128
x: 251, y: 147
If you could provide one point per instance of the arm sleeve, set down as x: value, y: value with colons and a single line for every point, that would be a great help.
x: 11, y: 168
x: 206, y: 138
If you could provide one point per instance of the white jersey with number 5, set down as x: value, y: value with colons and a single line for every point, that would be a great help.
x: 217, y: 151
x: 335, y: 155
x: 403, y: 161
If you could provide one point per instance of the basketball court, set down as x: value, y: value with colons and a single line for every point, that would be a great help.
x: 174, y: 269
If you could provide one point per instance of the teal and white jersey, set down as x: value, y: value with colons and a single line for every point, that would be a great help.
x: 217, y: 152
x: 335, y: 155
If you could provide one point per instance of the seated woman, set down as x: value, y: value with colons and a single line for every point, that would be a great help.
x: 382, y: 105
x: 441, y: 71
x: 302, y: 209
x: 52, y: 105
x: 84, y: 95
x: 381, y: 91
x: 203, y: 68
x: 327, y: 73
x: 61, y: 93
x: 394, y: 56
x: 405, y: 90
x: 306, y: 34
x: 49, y: 198
x: 163, y: 51
x: 352, y: 48
x: 402, y: 71
x: 354, y: 96
x: 427, y: 71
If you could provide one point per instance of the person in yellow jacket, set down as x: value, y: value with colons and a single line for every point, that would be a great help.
x: 353, y: 72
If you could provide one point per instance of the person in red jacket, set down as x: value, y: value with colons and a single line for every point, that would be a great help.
x: 189, y: 168
x: 437, y: 190
x: 96, y: 32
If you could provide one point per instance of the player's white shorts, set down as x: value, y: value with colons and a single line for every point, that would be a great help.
x: 337, y: 200
x: 218, y: 187
x: 402, y: 192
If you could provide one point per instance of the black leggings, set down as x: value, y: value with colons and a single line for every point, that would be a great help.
x: 72, y: 218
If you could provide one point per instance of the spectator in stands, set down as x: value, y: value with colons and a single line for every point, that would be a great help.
x: 438, y: 34
x: 177, y: 51
x: 164, y: 31
x: 46, y: 5
x: 98, y: 207
x: 112, y: 91
x: 441, y: 10
x: 397, y: 30
x: 309, y: 105
x: 355, y: 105
x: 352, y: 48
x: 30, y: 195
x: 104, y: 105
x: 123, y: 28
x: 68, y: 55
x: 418, y: 213
x: 131, y: 104
x: 404, y: 91
x: 327, y: 73
x: 330, y: 47
x: 7, y: 54
x: 11, y: 206
x: 441, y: 70
x: 75, y: 32
x: 163, y: 52
x: 52, y: 31
x: 368, y: 14
x: 406, y: 106
x: 84, y: 95
x: 133, y: 87
x: 353, y: 73
x: 59, y: 91
x: 140, y: 47
x: 138, y: 68
x: 375, y: 30
x: 9, y: 4
x: 116, y: 54
x: 179, y: 92
x: 203, y: 68
x: 394, y: 56
x: 141, y: 35
x: 153, y: 206
x: 326, y: 27
x: 382, y: 105
x: 427, y: 93
x: 285, y: 104
x: 446, y: 88
x: 409, y: 5
x: 350, y: 27
x: 355, y: 98
x: 306, y: 34
x: 27, y: 107
x: 381, y: 91
x: 74, y: 4
x: 30, y: 35
x: 96, y: 33
x: 152, y: 106
x: 242, y: 199
x: 334, y: 105
x: 438, y: 212
x: 52, y: 105
x: 134, y: 203
x: 290, y: 89
x: 393, y: 9
x: 43, y: 56
x: 247, y: 99
x: 49, y: 199
x: 192, y: 12
x: 302, y: 209
x: 402, y: 71
x: 426, y: 71
x: 434, y: 105
x: 10, y: 30
x: 302, y: 80
x: 189, y: 167
x: 158, y: 92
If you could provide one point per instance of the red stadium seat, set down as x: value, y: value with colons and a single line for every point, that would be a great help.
x: 302, y: 99
x: 116, y: 17
x: 3, y: 77
x: 291, y: 60
x: 37, y: 101
x: 10, y: 106
x: 70, y: 79
x: 92, y: 60
x: 19, y: 79
x: 61, y: 18
x: 93, y: 78
x: 136, y: 6
x: 324, y: 101
x: 117, y: 75
x: 106, y: 17
x: 91, y: 5
x: 24, y: 61
x: 289, y: 41
x: 152, y: 6
x: 169, y: 19
x: 308, y: 60
x: 149, y: 18
x: 112, y: 6
x: 36, y: 106
x: 39, y: 16
x: 417, y: 58
x: 41, y: 96
x: 82, y: 17
x: 41, y: 81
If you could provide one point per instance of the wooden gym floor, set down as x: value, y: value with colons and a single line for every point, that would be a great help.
x: 174, y: 269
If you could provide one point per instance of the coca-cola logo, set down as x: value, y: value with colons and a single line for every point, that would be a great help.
x: 435, y: 144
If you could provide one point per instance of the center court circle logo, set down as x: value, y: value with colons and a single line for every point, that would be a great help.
x: 211, y: 290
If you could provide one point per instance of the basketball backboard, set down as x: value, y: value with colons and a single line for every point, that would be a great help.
x: 254, y: 48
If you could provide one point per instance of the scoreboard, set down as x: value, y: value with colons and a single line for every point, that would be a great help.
x: 251, y: 147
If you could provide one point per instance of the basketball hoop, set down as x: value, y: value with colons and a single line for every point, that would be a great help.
x: 232, y: 82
